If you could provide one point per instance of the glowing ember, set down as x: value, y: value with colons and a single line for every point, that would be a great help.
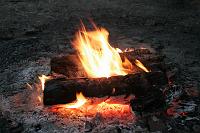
x: 107, y: 107
x: 81, y: 100
x: 140, y: 65
x: 97, y: 56
x: 43, y: 78
x: 92, y: 106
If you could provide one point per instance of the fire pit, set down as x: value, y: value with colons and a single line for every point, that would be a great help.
x: 103, y: 81
x: 96, y: 69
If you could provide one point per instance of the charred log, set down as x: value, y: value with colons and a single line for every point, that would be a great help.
x: 71, y: 66
x: 62, y: 90
x: 152, y: 101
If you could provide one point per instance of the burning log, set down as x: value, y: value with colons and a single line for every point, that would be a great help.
x: 97, y: 59
x: 62, y: 90
x: 71, y: 66
x: 68, y: 65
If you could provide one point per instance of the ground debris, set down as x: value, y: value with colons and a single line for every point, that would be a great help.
x: 182, y: 107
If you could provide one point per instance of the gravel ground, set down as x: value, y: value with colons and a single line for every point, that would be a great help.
x: 33, y: 31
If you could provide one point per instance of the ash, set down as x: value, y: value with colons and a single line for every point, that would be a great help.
x: 32, y: 32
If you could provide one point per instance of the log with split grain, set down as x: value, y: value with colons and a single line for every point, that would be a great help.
x: 62, y: 90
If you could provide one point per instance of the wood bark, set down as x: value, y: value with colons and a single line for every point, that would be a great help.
x: 62, y: 90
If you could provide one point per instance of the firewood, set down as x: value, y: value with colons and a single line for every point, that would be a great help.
x: 152, y: 101
x: 71, y: 66
x: 68, y: 65
x: 63, y: 90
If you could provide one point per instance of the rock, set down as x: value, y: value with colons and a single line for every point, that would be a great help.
x: 31, y: 31
x: 88, y: 126
x: 17, y: 128
x: 111, y: 129
x: 10, y: 126
x: 37, y: 127
x: 71, y: 130
x: 98, y: 119
x: 192, y: 91
x: 156, y: 124
x: 196, y: 128
x: 150, y: 22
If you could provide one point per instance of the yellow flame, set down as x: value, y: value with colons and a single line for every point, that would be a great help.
x: 81, y: 100
x: 140, y: 65
x: 97, y: 56
x: 119, y: 50
x: 43, y: 78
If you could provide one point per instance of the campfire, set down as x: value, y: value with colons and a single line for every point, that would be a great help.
x: 101, y: 83
x: 98, y: 77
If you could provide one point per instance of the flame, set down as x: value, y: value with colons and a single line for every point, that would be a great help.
x: 28, y: 86
x: 125, y: 50
x: 127, y: 65
x: 140, y: 65
x: 129, y: 50
x: 119, y: 50
x: 39, y: 99
x: 43, y: 78
x: 81, y: 100
x: 97, y: 56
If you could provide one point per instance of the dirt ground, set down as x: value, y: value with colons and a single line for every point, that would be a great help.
x: 33, y: 31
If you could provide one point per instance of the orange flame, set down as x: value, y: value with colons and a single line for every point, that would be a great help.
x: 127, y: 65
x: 43, y: 78
x: 97, y: 56
x: 81, y: 100
x: 140, y: 65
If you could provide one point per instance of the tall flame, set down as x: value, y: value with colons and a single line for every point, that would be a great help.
x: 140, y: 65
x: 80, y: 100
x: 97, y: 56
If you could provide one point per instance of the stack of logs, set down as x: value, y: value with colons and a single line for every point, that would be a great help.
x: 142, y: 84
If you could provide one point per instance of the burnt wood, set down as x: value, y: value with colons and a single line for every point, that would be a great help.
x: 71, y: 66
x: 63, y: 90
x: 68, y: 65
x: 152, y: 101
